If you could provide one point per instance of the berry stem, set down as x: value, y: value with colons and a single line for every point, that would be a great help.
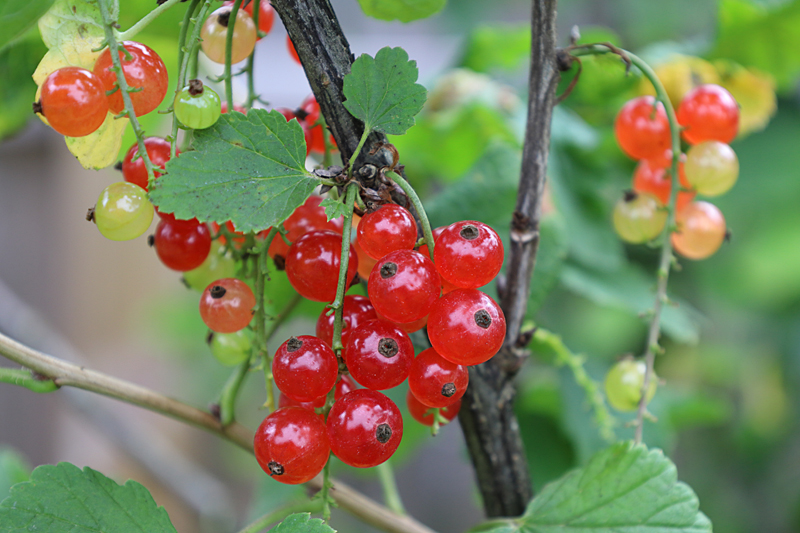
x: 341, y: 287
x: 24, y: 378
x: 108, y: 27
x: 352, y: 162
x: 412, y: 195
x: 229, y: 52
x: 227, y: 399
x: 251, y: 91
x: 131, y: 32
x: 665, y: 262
x: 391, y: 494
x: 309, y: 506
x: 324, y: 493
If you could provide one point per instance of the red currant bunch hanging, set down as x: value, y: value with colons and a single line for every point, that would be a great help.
x: 312, y: 265
x: 403, y: 286
x: 387, y: 229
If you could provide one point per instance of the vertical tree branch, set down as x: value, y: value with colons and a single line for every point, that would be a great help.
x: 487, y: 411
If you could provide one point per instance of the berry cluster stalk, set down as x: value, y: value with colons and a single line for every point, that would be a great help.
x: 142, y: 23
x: 341, y: 287
x: 229, y: 52
x: 423, y: 217
x: 251, y: 90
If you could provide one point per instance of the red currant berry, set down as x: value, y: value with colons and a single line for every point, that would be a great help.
x: 224, y: 108
x: 424, y: 248
x: 355, y: 311
x: 642, y: 130
x: 182, y: 245
x: 365, y: 262
x: 468, y: 254
x: 291, y: 445
x: 227, y: 305
x: 310, y: 217
x: 379, y: 355
x: 466, y: 327
x: 342, y: 387
x: 214, y: 34
x: 403, y: 286
x: 134, y: 171
x: 424, y: 415
x: 408, y: 327
x: 312, y: 265
x: 73, y: 101
x: 305, y: 368
x: 364, y: 428
x: 435, y: 381
x: 701, y: 230
x: 143, y: 70
x: 387, y: 229
x: 292, y: 51
x: 657, y: 181
x: 266, y: 14
x: 708, y: 113
x: 317, y: 142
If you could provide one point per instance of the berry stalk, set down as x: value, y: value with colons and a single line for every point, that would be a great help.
x: 25, y: 378
x: 341, y: 287
x: 131, y: 32
x: 251, y: 91
x: 391, y: 494
x: 412, y: 195
x: 229, y: 53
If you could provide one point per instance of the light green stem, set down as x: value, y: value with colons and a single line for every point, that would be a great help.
x: 24, y: 378
x: 227, y: 399
x: 309, y: 506
x: 229, y: 54
x: 391, y: 495
x: 131, y: 32
x: 341, y: 287
x: 356, y: 152
x: 412, y: 195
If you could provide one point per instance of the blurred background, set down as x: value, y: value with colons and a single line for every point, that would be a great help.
x: 727, y: 407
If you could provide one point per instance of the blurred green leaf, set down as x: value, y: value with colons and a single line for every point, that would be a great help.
x: 550, y: 257
x: 402, y: 10
x: 13, y: 470
x: 18, y: 17
x: 18, y: 91
x: 758, y: 35
x: 499, y: 46
x: 302, y: 523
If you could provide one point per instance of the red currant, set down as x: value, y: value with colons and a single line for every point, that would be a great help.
x: 708, y: 113
x: 236, y: 107
x: 408, y: 327
x: 342, y: 387
x: 642, y: 128
x: 379, y: 355
x: 73, y: 101
x: 387, y: 229
x: 266, y: 14
x: 291, y: 445
x: 182, y: 245
x: 365, y: 262
x: 639, y: 217
x: 227, y: 305
x: 312, y: 265
x: 317, y: 142
x: 701, y: 230
x: 214, y: 35
x: 422, y: 413
x: 292, y: 51
x: 305, y: 368
x: 435, y: 381
x: 143, y: 70
x: 355, y: 311
x: 466, y: 327
x: 468, y: 254
x: 364, y: 428
x: 134, y: 171
x: 309, y: 217
x: 403, y: 286
x: 657, y: 181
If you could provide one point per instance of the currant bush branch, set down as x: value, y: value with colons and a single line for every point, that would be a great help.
x: 666, y: 259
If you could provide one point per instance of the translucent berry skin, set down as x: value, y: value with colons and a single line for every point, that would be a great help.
x: 435, y: 233
x: 387, y: 229
x: 266, y: 14
x: 227, y: 305
x: 639, y: 217
x: 379, y: 355
x: 134, y: 171
x: 466, y: 327
x: 197, y: 111
x: 408, y: 327
x: 403, y: 286
x: 435, y: 381
x: 364, y: 428
x: 342, y: 387
x: 305, y: 368
x: 216, y: 266
x: 708, y: 113
x: 700, y: 230
x: 468, y: 254
x: 310, y: 217
x: 144, y: 70
x: 624, y: 382
x: 317, y: 132
x: 74, y: 101
x: 420, y: 412
x: 365, y: 262
x: 182, y: 245
x: 712, y: 168
x: 291, y: 445
x: 356, y: 310
x: 312, y: 265
x: 214, y: 35
x: 640, y: 133
x: 649, y: 178
x: 231, y: 349
x: 123, y: 212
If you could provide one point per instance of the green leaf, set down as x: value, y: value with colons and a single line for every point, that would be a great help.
x: 302, y: 523
x: 249, y: 169
x: 18, y: 91
x: 402, y: 10
x: 755, y: 35
x: 66, y: 499
x: 383, y: 93
x: 333, y: 208
x: 13, y: 470
x: 498, y: 46
x: 624, y: 488
x: 18, y: 17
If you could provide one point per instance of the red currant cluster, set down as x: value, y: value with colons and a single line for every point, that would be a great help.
x: 709, y: 117
x: 407, y: 290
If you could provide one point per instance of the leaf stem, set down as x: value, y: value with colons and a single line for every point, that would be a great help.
x: 341, y: 287
x: 357, y: 151
x: 24, y: 378
x: 412, y: 195
x: 122, y: 83
x: 131, y: 32
x: 391, y: 494
x: 309, y: 506
x: 665, y: 261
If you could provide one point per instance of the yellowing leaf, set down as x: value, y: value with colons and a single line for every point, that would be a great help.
x: 754, y: 92
x: 680, y: 75
x: 79, y: 54
x: 101, y: 148
x: 70, y: 21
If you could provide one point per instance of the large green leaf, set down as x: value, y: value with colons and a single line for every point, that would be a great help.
x: 13, y: 470
x: 402, y: 10
x: 498, y: 46
x: 382, y: 91
x: 66, y: 499
x: 247, y: 169
x: 17, y: 92
x: 302, y: 523
x: 18, y: 17
x: 623, y: 489
x: 755, y: 35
